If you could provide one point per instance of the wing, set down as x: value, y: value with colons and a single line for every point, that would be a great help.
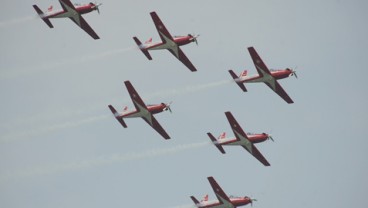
x: 258, y: 63
x: 137, y: 100
x: 156, y: 125
x: 183, y: 58
x: 258, y: 155
x: 67, y: 5
x: 220, y: 194
x: 242, y: 136
x: 85, y: 26
x: 161, y: 29
x: 78, y: 19
x: 280, y: 91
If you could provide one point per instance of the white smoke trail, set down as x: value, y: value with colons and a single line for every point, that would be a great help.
x: 44, y: 128
x: 187, y: 89
x: 16, y: 21
x: 13, y: 73
x: 185, y: 206
x: 48, y: 129
x: 101, y: 161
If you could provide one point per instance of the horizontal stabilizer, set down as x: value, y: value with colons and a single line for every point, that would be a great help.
x: 215, y: 142
x: 141, y: 47
x: 41, y: 14
x: 116, y: 115
x: 235, y: 77
x: 194, y: 200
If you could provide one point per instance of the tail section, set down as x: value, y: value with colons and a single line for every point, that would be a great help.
x: 42, y: 15
x: 116, y: 114
x: 145, y: 51
x: 215, y: 142
x: 235, y: 77
x: 205, y: 198
x: 244, y: 73
x: 196, y: 202
x: 222, y: 136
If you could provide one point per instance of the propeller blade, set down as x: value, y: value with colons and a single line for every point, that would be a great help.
x: 270, y: 137
x: 295, y: 74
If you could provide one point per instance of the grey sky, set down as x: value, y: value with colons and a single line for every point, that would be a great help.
x: 60, y: 147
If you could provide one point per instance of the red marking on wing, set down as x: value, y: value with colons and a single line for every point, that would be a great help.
x: 220, y: 194
x: 137, y: 100
x: 258, y: 63
x: 183, y: 58
x: 161, y: 27
x: 156, y: 125
x: 281, y: 92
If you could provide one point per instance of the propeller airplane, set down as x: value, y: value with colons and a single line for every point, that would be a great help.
x: 223, y: 201
x: 142, y: 110
x: 71, y: 11
x: 269, y: 77
x: 246, y: 140
x: 169, y: 42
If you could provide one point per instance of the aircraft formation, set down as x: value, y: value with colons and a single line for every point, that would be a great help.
x: 172, y: 43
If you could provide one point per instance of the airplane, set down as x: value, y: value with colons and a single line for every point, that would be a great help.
x: 73, y: 12
x: 247, y: 141
x: 223, y: 201
x: 269, y: 77
x: 142, y: 110
x: 169, y: 42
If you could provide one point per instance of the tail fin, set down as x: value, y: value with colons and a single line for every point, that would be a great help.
x: 194, y: 200
x: 145, y: 51
x: 222, y: 136
x: 215, y: 142
x: 244, y: 73
x: 205, y: 198
x: 235, y: 77
x: 42, y: 15
x: 116, y: 114
x: 149, y: 41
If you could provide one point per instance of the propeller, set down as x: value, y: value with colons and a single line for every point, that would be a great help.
x: 167, y: 106
x: 251, y: 201
x: 96, y: 6
x: 194, y: 38
x: 293, y: 72
x: 271, y: 138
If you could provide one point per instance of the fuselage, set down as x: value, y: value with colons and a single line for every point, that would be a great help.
x: 80, y: 9
x: 153, y: 109
x: 178, y: 40
x: 275, y: 74
x: 236, y: 201
x: 254, y: 138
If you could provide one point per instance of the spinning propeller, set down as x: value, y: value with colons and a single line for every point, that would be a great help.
x: 167, y: 106
x: 95, y: 6
x: 194, y: 38
x: 251, y: 201
x: 293, y: 72
x: 270, y: 137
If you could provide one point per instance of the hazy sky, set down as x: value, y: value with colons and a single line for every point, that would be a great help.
x: 60, y: 146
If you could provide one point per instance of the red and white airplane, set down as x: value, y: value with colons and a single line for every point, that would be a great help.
x: 223, y: 201
x: 169, y: 42
x: 247, y: 141
x: 142, y: 110
x: 269, y: 77
x: 71, y: 11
